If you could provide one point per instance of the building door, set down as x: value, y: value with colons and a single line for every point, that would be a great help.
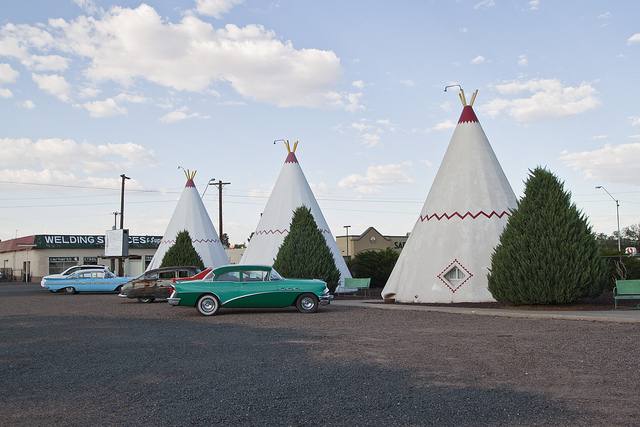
x: 26, y: 271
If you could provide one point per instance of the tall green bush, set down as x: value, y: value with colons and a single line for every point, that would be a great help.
x: 304, y: 253
x: 182, y: 253
x: 547, y: 253
x: 377, y: 265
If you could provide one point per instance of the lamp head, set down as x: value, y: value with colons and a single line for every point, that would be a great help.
x: 598, y: 187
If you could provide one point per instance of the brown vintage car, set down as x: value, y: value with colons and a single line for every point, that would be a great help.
x: 156, y: 284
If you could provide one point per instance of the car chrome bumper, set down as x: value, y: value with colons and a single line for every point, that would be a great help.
x: 123, y: 296
x: 325, y: 299
x: 173, y: 301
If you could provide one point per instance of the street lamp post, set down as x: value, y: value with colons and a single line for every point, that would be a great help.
x: 617, y: 214
x: 347, y: 227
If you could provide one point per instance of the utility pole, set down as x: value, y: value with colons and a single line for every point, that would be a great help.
x: 600, y: 187
x: 120, y: 260
x: 347, y: 227
x: 219, y: 184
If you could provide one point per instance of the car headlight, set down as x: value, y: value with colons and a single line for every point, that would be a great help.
x: 326, y: 291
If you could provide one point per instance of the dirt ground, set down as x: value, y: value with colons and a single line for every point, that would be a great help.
x: 98, y: 359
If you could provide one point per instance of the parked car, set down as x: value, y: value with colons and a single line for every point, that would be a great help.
x: 94, y: 280
x: 249, y: 286
x: 156, y: 284
x: 72, y: 270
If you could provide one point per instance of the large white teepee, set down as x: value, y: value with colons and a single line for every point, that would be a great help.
x: 191, y: 215
x: 290, y: 192
x: 448, y: 254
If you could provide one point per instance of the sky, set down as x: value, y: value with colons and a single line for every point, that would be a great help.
x: 90, y: 89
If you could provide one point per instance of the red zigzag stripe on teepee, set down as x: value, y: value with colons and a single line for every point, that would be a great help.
x: 193, y: 241
x: 284, y: 231
x: 467, y: 214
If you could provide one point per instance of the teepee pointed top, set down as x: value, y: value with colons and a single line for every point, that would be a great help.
x: 291, y: 157
x: 190, y: 175
x: 468, y: 115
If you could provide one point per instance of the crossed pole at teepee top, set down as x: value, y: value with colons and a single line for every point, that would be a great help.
x: 463, y: 99
x: 288, y: 145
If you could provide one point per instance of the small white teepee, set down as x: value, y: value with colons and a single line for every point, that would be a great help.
x: 448, y: 254
x: 191, y: 215
x: 290, y: 192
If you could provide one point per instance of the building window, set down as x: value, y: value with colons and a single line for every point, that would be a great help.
x: 90, y: 260
x: 58, y: 264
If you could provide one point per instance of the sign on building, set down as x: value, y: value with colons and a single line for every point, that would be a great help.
x: 116, y: 243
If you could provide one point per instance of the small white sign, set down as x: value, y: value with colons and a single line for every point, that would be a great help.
x: 116, y: 243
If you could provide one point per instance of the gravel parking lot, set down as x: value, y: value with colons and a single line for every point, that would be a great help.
x: 98, y: 359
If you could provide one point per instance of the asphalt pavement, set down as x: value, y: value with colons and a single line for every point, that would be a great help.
x: 92, y: 359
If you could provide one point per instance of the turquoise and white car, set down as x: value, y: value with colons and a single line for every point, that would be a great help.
x: 94, y: 280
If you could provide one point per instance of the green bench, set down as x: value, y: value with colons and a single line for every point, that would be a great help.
x: 351, y: 283
x: 626, y: 289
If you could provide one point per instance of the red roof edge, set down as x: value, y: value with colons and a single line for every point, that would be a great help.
x: 190, y: 183
x: 468, y: 115
x: 291, y: 158
x: 16, y: 244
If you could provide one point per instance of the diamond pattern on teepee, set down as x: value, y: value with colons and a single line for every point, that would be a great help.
x: 455, y: 284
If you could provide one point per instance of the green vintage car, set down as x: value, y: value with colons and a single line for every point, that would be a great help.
x: 250, y: 286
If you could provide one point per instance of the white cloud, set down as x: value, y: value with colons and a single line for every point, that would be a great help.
x: 46, y: 62
x: 105, y: 108
x: 112, y: 106
x: 611, y: 163
x: 53, y: 84
x: 370, y: 139
x: 8, y: 74
x: 5, y: 93
x: 605, y: 15
x: 124, y: 45
x: 478, y: 60
x: 548, y: 98
x: 444, y: 125
x: 180, y: 115
x: 377, y: 177
x: 599, y: 137
x: 358, y: 84
x: 634, y: 39
x: 464, y: 30
x: 50, y: 156
x: 89, y: 6
x: 27, y: 104
x: 89, y: 92
x: 523, y: 61
x: 534, y: 4
x: 370, y: 132
x: 216, y: 8
x: 484, y: 4
x: 407, y: 83
x: 635, y: 120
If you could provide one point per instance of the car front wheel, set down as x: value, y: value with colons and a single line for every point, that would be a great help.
x: 69, y: 290
x: 208, y: 305
x: 307, y: 303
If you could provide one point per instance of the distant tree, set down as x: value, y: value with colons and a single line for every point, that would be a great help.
x: 182, y: 253
x: 547, y: 253
x: 224, y: 240
x: 304, y: 252
x: 632, y: 233
x: 376, y: 265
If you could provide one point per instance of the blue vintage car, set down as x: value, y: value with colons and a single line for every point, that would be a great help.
x: 94, y: 280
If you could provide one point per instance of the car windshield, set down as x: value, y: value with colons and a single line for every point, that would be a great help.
x: 275, y: 275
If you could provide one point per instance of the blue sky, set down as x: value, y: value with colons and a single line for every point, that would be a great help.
x: 91, y: 89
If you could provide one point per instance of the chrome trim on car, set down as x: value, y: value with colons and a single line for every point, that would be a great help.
x: 325, y: 299
x: 123, y: 296
x: 173, y: 301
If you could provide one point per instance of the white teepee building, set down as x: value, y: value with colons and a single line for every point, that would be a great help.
x: 191, y: 215
x: 290, y: 192
x: 448, y: 254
